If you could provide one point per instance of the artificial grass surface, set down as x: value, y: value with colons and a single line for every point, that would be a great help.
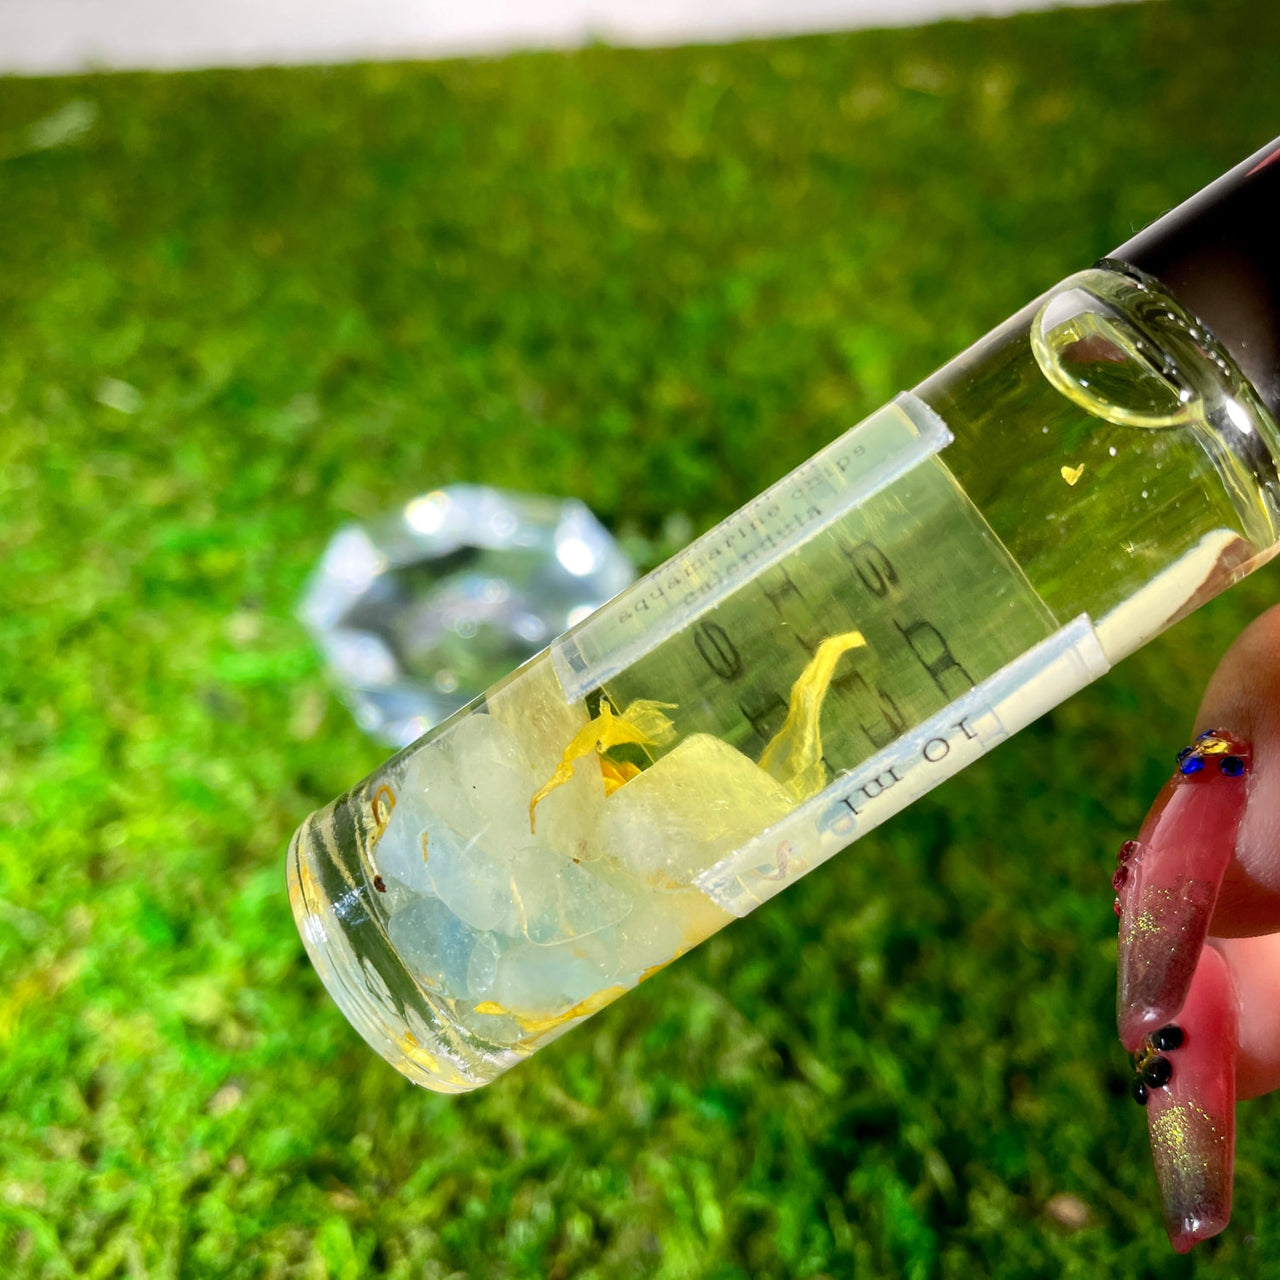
x: 243, y: 307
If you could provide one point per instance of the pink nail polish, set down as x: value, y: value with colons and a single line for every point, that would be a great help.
x: 1187, y: 1078
x: 1167, y: 881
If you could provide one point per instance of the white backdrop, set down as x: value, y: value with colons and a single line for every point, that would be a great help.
x: 71, y: 35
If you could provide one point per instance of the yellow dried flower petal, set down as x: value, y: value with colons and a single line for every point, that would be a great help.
x: 646, y: 716
x: 537, y: 1026
x: 794, y: 755
x: 642, y: 723
x: 615, y: 773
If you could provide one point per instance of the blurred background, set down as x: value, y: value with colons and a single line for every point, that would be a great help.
x: 239, y: 307
x: 75, y: 35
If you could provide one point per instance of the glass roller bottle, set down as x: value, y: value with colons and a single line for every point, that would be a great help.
x: 920, y: 589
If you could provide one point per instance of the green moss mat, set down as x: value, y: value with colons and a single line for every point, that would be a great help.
x: 245, y: 306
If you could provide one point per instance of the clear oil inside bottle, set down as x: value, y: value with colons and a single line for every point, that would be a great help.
x: 550, y: 846
x: 1119, y: 454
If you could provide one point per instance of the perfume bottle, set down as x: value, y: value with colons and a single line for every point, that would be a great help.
x: 924, y: 586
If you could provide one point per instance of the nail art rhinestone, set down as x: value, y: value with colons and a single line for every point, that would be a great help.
x: 1120, y: 878
x: 1157, y: 1073
x: 1232, y: 766
x: 1127, y: 850
x: 1139, y: 1093
x: 1192, y: 764
x: 1167, y: 1038
x: 1184, y: 753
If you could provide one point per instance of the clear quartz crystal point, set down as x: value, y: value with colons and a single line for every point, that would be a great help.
x: 419, y: 612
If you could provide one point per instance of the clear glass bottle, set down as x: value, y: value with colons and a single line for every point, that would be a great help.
x: 924, y: 586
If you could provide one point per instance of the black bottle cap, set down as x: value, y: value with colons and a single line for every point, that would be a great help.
x: 1219, y: 255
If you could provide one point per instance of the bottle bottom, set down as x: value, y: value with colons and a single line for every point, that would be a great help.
x: 365, y: 977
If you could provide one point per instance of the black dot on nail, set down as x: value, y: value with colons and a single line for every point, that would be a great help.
x: 1139, y: 1093
x: 1167, y: 1038
x: 1157, y: 1073
x: 1232, y: 766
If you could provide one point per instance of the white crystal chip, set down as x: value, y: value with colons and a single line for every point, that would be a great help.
x: 684, y: 813
x: 439, y: 947
x: 531, y: 925
x: 545, y: 981
x: 497, y: 901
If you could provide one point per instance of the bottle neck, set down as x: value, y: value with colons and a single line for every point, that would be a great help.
x: 1218, y: 254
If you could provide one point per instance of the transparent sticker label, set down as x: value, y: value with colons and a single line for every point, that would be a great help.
x: 930, y: 753
x: 846, y: 474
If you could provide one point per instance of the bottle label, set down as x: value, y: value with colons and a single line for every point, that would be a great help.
x: 846, y: 475
x: 928, y: 754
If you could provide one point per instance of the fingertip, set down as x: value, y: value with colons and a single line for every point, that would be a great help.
x: 1244, y: 694
x: 1255, y: 973
x: 1244, y: 690
x: 1191, y: 1111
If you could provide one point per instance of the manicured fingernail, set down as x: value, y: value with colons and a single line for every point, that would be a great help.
x: 1167, y: 881
x: 1187, y: 1080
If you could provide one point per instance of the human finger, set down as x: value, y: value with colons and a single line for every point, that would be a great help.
x: 1203, y: 1022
